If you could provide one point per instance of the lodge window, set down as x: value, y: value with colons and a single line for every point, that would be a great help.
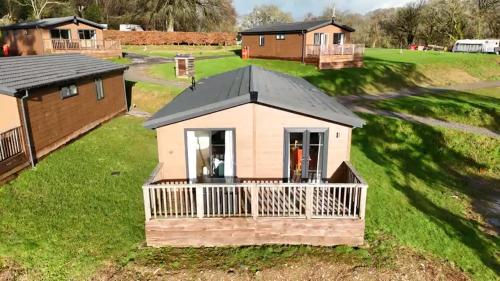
x: 99, y: 89
x: 306, y: 153
x: 338, y: 38
x: 64, y: 34
x: 320, y: 39
x: 86, y: 34
x: 69, y: 91
x: 261, y: 40
x: 210, y: 155
x: 280, y: 37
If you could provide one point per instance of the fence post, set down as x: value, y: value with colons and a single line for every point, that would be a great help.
x: 147, y: 203
x: 254, y: 193
x: 362, y: 202
x: 200, y: 204
x: 309, y: 201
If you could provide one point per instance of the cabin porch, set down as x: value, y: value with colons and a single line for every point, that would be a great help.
x: 336, y: 56
x: 255, y: 211
x: 12, y: 152
x: 94, y: 48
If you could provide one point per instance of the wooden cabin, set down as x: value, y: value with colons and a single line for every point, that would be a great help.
x: 325, y: 43
x: 57, y: 36
x: 46, y: 101
x: 250, y: 157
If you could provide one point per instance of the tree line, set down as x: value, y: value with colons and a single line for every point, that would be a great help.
x: 437, y: 22
x: 165, y: 15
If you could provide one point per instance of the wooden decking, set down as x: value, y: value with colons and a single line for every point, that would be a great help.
x: 336, y: 57
x: 94, y: 48
x: 181, y: 214
x: 12, y: 156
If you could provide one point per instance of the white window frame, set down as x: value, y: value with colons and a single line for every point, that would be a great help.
x: 99, y: 89
x: 262, y: 40
x: 68, y: 91
x: 280, y: 36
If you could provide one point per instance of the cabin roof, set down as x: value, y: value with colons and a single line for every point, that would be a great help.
x: 48, y: 22
x: 295, y: 27
x: 27, y: 72
x: 252, y: 84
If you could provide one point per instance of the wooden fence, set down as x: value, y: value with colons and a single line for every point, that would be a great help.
x: 11, y: 143
x: 171, y: 38
x: 255, y: 200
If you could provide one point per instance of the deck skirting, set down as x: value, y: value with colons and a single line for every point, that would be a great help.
x: 193, y: 232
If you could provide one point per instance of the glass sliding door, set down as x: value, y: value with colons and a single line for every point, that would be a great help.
x: 210, y: 155
x: 305, y: 155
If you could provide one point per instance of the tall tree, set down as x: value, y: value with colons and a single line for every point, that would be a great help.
x: 265, y: 14
x: 404, y: 24
x: 38, y: 7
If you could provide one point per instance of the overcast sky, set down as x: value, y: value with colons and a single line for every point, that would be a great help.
x: 299, y: 8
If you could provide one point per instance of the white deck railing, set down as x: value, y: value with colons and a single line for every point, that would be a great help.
x: 260, y: 199
x: 335, y: 50
x: 11, y: 143
x: 72, y: 44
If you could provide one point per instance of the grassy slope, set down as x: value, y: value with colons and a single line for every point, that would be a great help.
x: 169, y: 51
x: 80, y: 216
x: 384, y: 70
x: 419, y: 194
x: 477, y: 108
x: 151, y: 97
x: 67, y: 216
x: 120, y: 60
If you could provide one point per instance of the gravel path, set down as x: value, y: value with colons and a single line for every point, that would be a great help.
x: 427, y: 121
x: 348, y: 100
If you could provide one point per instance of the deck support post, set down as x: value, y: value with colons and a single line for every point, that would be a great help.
x: 362, y: 202
x: 309, y: 201
x: 147, y: 203
x: 200, y: 209
x: 254, y: 193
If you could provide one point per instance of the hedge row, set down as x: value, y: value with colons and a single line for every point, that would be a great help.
x: 170, y: 38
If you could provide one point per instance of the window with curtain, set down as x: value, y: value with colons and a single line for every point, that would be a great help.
x: 60, y: 34
x: 99, y: 89
x: 338, y: 38
x: 210, y: 155
x: 262, y: 40
x: 306, y: 153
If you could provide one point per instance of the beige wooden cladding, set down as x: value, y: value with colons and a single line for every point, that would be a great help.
x: 9, y: 113
x: 259, y: 133
x: 247, y: 231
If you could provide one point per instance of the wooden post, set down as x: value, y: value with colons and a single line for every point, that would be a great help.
x: 200, y: 204
x: 147, y: 203
x: 309, y: 201
x: 362, y: 202
x: 254, y: 193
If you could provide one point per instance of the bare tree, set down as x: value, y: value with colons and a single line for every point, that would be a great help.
x: 38, y: 7
x: 265, y: 14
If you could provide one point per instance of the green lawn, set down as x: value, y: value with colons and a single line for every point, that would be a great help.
x: 82, y: 205
x: 64, y: 221
x: 169, y: 51
x: 120, y: 60
x: 477, y: 108
x: 385, y: 70
x: 151, y: 97
x: 421, y: 187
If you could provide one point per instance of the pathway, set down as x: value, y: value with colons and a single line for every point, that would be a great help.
x: 427, y: 121
x: 348, y: 100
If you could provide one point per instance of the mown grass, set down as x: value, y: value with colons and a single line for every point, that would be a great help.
x: 384, y: 70
x: 169, y: 51
x: 82, y: 205
x: 120, y: 60
x: 423, y: 181
x: 151, y: 97
x: 476, y: 108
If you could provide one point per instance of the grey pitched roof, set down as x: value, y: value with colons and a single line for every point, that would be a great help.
x: 253, y: 84
x: 28, y: 72
x: 294, y: 27
x: 48, y: 22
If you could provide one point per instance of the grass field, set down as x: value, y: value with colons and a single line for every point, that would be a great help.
x: 384, y: 70
x: 151, y: 97
x: 477, y: 108
x: 169, y: 51
x: 83, y: 215
x: 81, y: 208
